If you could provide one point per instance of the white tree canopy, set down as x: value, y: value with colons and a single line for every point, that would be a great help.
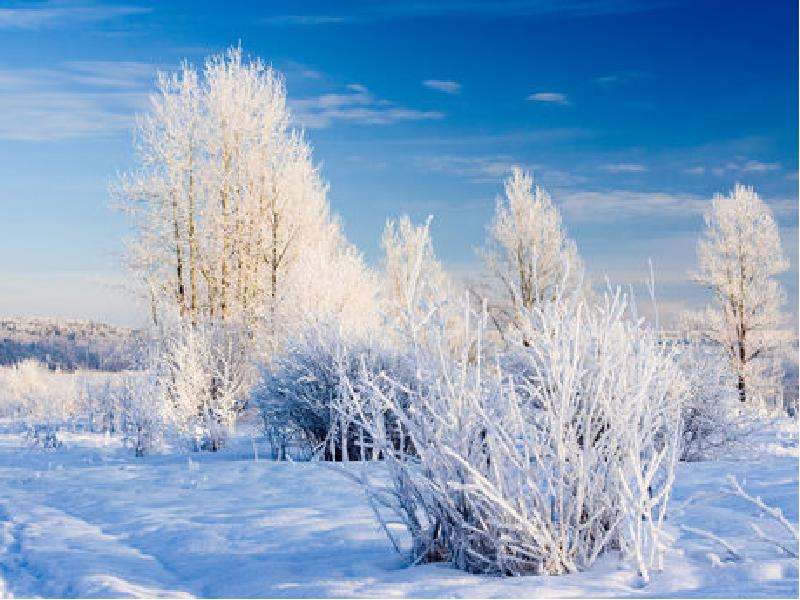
x: 739, y: 256
x: 232, y: 217
x: 527, y: 248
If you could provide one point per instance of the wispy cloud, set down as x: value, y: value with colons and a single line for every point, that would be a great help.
x: 549, y: 97
x: 446, y: 86
x: 618, y: 79
x: 293, y: 20
x: 356, y: 105
x: 402, y: 9
x: 293, y: 68
x: 624, y: 168
x: 585, y: 205
x: 599, y: 206
x: 754, y: 166
x: 744, y: 166
x: 492, y: 169
x: 60, y: 14
x: 72, y: 99
x: 477, y: 168
x: 696, y: 170
x: 480, y: 141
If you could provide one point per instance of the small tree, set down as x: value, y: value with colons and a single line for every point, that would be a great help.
x: 527, y: 248
x: 413, y: 279
x: 739, y: 256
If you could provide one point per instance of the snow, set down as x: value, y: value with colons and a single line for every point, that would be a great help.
x: 90, y: 520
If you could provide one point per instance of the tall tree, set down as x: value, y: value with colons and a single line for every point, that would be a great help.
x: 527, y: 248
x: 233, y: 239
x: 228, y: 204
x: 739, y: 256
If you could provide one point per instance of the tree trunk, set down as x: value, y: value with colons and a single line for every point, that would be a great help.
x: 192, y: 251
x: 180, y: 292
x: 223, y: 309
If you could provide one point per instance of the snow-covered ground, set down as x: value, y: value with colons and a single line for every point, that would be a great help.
x: 90, y: 520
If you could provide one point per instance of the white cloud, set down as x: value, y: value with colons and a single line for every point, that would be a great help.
x: 52, y: 15
x: 594, y: 206
x: 290, y: 20
x: 73, y: 99
x: 549, y: 97
x: 293, y: 69
x: 754, y: 166
x: 493, y: 169
x: 617, y: 79
x: 624, y: 168
x: 91, y: 98
x: 585, y: 205
x: 446, y: 86
x: 741, y: 165
x: 698, y: 170
x: 478, y: 168
x: 358, y: 88
x: 357, y: 105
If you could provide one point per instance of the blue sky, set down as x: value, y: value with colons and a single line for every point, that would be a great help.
x: 632, y: 113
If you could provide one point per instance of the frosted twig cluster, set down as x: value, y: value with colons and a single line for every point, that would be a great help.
x: 497, y: 484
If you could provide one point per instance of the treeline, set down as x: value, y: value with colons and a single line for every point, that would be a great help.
x: 68, y: 345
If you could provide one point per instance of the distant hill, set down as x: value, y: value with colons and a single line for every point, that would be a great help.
x: 69, y: 344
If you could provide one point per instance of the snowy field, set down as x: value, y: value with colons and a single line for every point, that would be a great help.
x: 90, y: 520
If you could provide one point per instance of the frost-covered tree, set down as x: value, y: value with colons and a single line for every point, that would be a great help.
x: 228, y: 206
x: 414, y: 280
x: 207, y: 376
x: 233, y: 231
x: 527, y: 248
x: 739, y: 256
x: 343, y: 290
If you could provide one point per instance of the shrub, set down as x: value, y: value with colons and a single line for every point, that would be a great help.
x: 43, y: 400
x: 504, y: 483
x: 204, y: 376
x: 714, y: 420
x: 302, y: 399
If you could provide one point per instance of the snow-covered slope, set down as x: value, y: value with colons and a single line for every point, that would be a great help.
x: 89, y: 520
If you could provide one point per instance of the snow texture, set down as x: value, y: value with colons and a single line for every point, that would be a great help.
x: 90, y: 520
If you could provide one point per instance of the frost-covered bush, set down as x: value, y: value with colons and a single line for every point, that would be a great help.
x: 544, y: 482
x: 204, y: 375
x: 43, y: 400
x: 46, y: 403
x: 302, y: 398
x: 714, y: 420
x: 141, y: 399
x: 791, y: 381
x: 100, y: 406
